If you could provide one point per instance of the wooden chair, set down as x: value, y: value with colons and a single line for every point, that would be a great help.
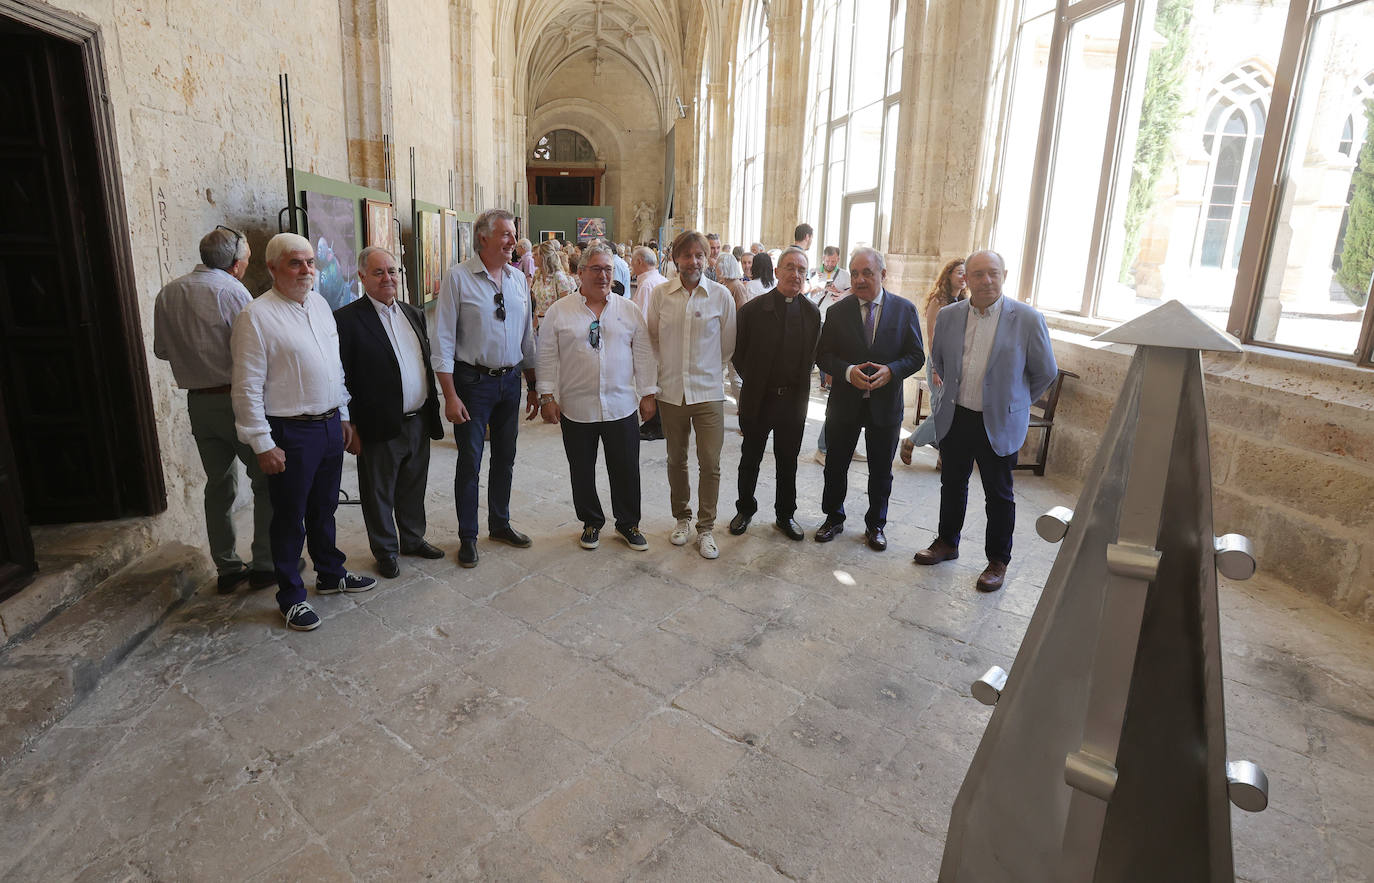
x: 1046, y: 405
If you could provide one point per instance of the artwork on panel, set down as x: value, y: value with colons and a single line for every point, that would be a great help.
x: 448, y: 247
x: 429, y: 238
x: 333, y: 224
x: 380, y: 229
x: 590, y: 228
x: 464, y: 240
x: 546, y: 235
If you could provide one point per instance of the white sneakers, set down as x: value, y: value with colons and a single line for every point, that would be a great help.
x: 682, y: 533
x: 706, y: 545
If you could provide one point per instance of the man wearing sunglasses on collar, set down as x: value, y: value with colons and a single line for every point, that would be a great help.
x: 597, y: 378
x: 482, y: 339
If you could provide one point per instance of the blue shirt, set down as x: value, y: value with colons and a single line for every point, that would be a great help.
x: 466, y: 328
x: 620, y: 272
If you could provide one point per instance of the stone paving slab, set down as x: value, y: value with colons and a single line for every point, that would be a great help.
x: 789, y: 711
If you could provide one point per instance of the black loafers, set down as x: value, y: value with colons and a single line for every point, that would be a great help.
x: 467, y: 553
x: 829, y: 530
x: 511, y: 537
x: 790, y: 528
x: 740, y: 523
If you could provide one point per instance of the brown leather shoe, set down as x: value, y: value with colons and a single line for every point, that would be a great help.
x: 990, y: 580
x: 937, y: 552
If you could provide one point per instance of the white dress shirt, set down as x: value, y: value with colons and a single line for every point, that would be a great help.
x: 286, y: 363
x: 595, y: 385
x: 405, y: 343
x: 645, y: 288
x: 694, y: 336
x: 191, y: 322
x: 465, y: 325
x: 978, y: 337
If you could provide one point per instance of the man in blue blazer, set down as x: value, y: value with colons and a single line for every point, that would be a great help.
x: 870, y: 343
x: 993, y: 354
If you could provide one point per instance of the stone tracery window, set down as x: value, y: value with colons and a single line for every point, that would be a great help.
x: 1231, y: 139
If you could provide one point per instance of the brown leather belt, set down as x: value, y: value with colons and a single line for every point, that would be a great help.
x: 210, y: 390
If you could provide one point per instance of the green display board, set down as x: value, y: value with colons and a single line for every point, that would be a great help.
x: 563, y: 218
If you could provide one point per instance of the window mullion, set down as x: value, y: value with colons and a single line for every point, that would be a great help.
x: 1040, y: 177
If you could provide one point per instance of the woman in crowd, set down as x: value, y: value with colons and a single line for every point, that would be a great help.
x: 728, y: 274
x: 949, y: 288
x: 760, y: 276
x: 550, y: 282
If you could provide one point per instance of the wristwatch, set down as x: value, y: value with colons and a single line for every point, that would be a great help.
x: 545, y: 399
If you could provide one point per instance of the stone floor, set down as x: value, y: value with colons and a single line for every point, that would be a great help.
x: 787, y: 711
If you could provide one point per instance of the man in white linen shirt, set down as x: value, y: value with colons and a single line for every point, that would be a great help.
x: 290, y: 405
x: 692, y: 326
x: 995, y: 358
x: 192, y: 319
x: 394, y: 408
x: 482, y: 339
x: 596, y: 373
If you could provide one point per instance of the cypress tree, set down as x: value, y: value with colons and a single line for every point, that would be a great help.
x: 1357, y: 257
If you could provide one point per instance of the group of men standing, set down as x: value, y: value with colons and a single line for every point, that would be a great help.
x: 286, y: 387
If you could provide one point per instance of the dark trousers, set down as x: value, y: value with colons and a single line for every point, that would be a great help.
x: 494, y: 402
x: 620, y: 438
x: 841, y: 438
x: 392, y: 476
x: 967, y: 443
x: 785, y: 417
x: 304, y: 497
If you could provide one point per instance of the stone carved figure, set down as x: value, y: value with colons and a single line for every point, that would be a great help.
x: 644, y: 219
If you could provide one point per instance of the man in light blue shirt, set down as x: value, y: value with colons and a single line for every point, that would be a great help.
x: 482, y: 339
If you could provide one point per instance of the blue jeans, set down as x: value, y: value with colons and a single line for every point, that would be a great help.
x: 494, y: 402
x: 304, y: 497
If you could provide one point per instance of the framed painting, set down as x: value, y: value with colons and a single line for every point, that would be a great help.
x: 332, y: 222
x: 429, y: 242
x: 448, y: 246
x: 590, y: 228
x: 546, y: 235
x: 464, y: 240
x: 381, y: 231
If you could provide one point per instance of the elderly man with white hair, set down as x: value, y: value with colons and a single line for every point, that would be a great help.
x: 291, y: 408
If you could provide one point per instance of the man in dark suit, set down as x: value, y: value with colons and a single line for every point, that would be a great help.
x: 870, y: 343
x: 775, y: 347
x: 394, y: 409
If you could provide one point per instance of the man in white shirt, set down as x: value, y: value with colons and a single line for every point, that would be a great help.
x: 191, y: 322
x: 995, y: 359
x: 290, y: 407
x: 483, y: 338
x: 394, y: 407
x: 596, y: 375
x: 692, y: 325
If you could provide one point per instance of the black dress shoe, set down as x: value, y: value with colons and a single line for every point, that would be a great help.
x: 226, y: 582
x: 739, y: 524
x: 261, y: 579
x: 832, y: 528
x: 511, y: 537
x: 388, y: 567
x: 790, y: 528
x: 425, y: 550
x: 467, y: 553
x: 875, y: 539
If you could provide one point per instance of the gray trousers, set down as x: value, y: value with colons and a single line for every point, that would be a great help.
x: 212, y: 424
x: 392, y: 476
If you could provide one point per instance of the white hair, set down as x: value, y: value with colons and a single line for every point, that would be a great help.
x: 367, y: 253
x: 727, y: 266
x: 871, y: 252
x: 286, y: 242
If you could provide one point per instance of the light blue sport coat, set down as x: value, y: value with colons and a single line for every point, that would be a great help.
x: 1020, y: 368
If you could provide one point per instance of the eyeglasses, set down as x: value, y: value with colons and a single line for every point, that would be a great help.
x: 594, y: 334
x: 600, y: 270
x: 238, y: 237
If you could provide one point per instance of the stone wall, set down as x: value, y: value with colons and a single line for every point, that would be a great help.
x: 1292, y: 447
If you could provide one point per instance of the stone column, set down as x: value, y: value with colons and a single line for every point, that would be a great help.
x: 716, y: 211
x: 787, y: 79
x: 464, y: 147
x: 948, y: 90
x: 365, y: 41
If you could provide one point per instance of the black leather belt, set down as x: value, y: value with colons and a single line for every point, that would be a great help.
x: 315, y: 418
x: 781, y: 390
x: 411, y: 414
x: 490, y: 372
x: 210, y: 390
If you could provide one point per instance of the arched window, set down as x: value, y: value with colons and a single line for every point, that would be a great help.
x: 564, y: 145
x: 751, y: 111
x: 1238, y: 107
x: 1363, y: 91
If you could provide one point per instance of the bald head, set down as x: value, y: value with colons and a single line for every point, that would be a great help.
x: 986, y: 271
